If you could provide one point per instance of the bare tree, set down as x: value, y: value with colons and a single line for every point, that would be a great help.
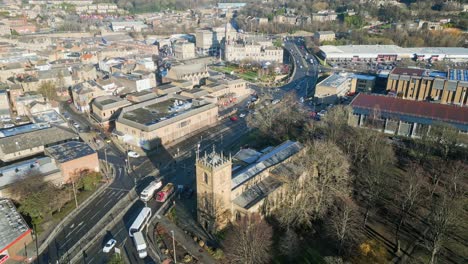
x: 410, y: 193
x: 343, y: 224
x: 371, y: 163
x: 436, y: 168
x: 332, y: 176
x: 445, y: 137
x: 335, y: 122
x: 279, y: 121
x: 289, y: 244
x: 456, y: 179
x: 372, y: 188
x: 326, y: 176
x: 29, y: 183
x: 249, y: 241
x: 441, y: 220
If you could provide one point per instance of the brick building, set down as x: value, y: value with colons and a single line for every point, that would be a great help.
x: 72, y: 157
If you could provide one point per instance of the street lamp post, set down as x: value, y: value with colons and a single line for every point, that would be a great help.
x: 37, y: 248
x: 173, y: 245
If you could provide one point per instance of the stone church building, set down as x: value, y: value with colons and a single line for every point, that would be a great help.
x: 250, y: 182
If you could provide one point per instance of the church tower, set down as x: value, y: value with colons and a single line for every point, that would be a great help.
x: 213, y: 173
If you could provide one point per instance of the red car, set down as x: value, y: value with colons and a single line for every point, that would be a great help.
x: 234, y: 118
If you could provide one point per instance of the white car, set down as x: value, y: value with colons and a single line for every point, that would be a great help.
x: 109, y: 245
x: 242, y: 115
x: 133, y: 154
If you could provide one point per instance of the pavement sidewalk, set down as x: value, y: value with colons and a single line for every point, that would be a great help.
x: 187, y: 242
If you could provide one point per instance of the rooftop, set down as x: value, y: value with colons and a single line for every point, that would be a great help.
x: 49, y: 117
x: 8, y: 132
x: 12, y: 225
x: 271, y: 158
x: 69, y: 151
x: 109, y: 101
x: 414, y: 109
x: 393, y: 49
x: 364, y: 77
x: 141, y: 96
x: 458, y: 75
x: 325, y: 32
x: 334, y: 80
x: 19, y: 170
x: 160, y: 110
x: 33, y: 139
x: 408, y: 71
x: 257, y: 192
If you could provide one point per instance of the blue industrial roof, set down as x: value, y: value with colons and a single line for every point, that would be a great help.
x: 364, y: 77
x: 438, y: 74
x: 458, y: 75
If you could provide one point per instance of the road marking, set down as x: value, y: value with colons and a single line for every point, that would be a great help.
x: 91, y: 260
x: 118, y: 189
x: 120, y: 230
x: 107, y: 203
x: 73, y: 230
x: 94, y: 215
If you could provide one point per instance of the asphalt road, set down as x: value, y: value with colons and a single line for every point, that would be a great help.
x: 178, y: 172
x: 95, y: 210
x: 181, y: 173
x: 306, y: 73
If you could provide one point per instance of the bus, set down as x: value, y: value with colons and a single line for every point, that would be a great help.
x: 148, y: 192
x: 141, y: 221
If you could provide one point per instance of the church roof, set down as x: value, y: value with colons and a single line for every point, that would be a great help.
x: 275, y: 156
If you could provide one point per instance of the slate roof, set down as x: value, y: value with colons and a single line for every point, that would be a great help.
x: 257, y: 192
x: 69, y: 151
x: 37, y: 138
x: 275, y: 156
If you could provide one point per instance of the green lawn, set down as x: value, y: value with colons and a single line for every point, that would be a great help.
x: 70, y: 206
x: 248, y: 76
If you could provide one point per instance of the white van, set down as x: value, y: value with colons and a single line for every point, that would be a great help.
x: 149, y: 191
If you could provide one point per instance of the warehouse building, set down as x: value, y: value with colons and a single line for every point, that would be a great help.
x: 403, y: 117
x: 390, y: 53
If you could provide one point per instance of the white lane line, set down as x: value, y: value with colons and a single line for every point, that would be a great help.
x: 118, y: 189
x: 120, y: 230
x: 91, y: 260
x: 73, y: 230
x: 107, y: 203
x: 66, y: 241
x: 121, y: 195
x: 94, y: 215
